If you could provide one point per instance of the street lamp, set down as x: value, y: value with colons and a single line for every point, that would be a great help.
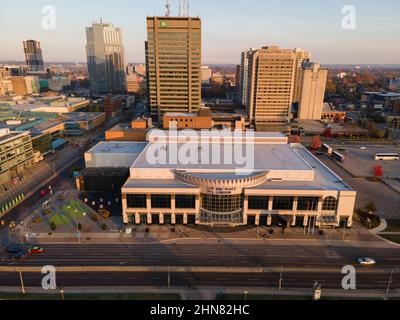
x: 245, y: 295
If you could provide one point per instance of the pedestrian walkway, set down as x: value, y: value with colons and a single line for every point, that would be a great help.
x: 382, y: 227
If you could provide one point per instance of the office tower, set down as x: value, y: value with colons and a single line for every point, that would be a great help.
x: 33, y: 55
x: 105, y: 58
x: 301, y: 56
x: 173, y: 58
x: 312, y: 84
x: 271, y: 88
x: 206, y: 74
x: 245, y: 74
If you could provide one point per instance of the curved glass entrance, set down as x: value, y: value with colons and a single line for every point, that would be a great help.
x: 221, y: 209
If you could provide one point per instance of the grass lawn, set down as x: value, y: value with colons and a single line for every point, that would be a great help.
x: 393, y: 225
x: 101, y: 296
x: 393, y: 238
x: 71, y: 212
x: 59, y: 219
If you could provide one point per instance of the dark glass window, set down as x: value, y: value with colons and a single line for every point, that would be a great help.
x: 307, y: 204
x: 136, y: 201
x: 217, y: 203
x: 283, y: 203
x: 185, y: 202
x: 329, y: 204
x: 161, y: 201
x: 258, y: 203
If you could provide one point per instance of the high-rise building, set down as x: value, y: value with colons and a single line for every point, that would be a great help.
x: 244, y: 82
x: 33, y: 55
x: 105, y: 58
x: 173, y: 58
x: 312, y: 84
x: 301, y: 56
x: 206, y: 74
x: 272, y: 77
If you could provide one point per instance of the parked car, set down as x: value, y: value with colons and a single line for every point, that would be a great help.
x: 35, y: 250
x: 13, y: 250
x: 44, y: 192
x: 366, y: 262
x: 22, y: 255
x: 12, y: 224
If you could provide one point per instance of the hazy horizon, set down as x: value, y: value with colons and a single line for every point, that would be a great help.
x: 229, y: 27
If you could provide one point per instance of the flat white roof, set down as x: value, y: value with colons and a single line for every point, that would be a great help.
x: 118, y: 147
x: 263, y: 157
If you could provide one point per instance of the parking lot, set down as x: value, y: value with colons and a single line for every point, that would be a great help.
x: 360, y: 162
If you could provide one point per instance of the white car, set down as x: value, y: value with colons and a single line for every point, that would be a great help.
x: 366, y: 262
x: 363, y: 148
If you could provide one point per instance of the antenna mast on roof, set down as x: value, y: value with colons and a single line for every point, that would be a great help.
x: 167, y: 9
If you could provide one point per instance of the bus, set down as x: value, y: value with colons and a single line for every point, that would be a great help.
x: 327, y: 149
x: 338, y: 156
x: 387, y: 156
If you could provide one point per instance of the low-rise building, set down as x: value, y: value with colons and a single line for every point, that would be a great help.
x: 329, y: 114
x: 16, y: 154
x: 137, y: 130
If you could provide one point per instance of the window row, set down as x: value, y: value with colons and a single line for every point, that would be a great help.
x: 286, y: 203
x: 159, y: 201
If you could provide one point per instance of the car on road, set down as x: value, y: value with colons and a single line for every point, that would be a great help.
x: 13, y: 250
x: 35, y: 250
x: 363, y: 148
x: 12, y: 224
x: 44, y: 192
x: 366, y: 262
x: 22, y: 255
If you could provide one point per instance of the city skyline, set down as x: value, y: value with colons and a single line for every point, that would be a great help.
x: 242, y: 25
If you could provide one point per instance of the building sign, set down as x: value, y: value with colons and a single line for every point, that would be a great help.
x: 221, y: 191
x: 163, y: 24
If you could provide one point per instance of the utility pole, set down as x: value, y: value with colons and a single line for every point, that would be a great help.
x: 390, y: 282
x: 169, y: 277
x: 281, y: 279
x: 22, y: 282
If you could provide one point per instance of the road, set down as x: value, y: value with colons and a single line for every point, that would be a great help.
x: 307, y: 262
x: 366, y: 281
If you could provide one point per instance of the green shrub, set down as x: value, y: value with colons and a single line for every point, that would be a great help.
x: 103, y: 227
x: 53, y: 226
x: 37, y: 220
x: 95, y: 217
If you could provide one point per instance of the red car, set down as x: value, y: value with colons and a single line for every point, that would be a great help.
x: 44, y: 192
x: 35, y: 250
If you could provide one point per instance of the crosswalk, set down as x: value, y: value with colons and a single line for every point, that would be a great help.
x: 4, y: 245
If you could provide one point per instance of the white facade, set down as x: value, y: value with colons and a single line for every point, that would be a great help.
x: 280, y: 181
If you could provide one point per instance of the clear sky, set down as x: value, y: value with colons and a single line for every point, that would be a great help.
x: 229, y: 27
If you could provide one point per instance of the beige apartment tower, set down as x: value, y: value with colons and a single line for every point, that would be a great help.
x: 271, y: 88
x: 173, y: 58
x: 312, y: 84
x: 301, y: 57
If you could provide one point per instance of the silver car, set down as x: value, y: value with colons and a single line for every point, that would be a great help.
x: 366, y: 262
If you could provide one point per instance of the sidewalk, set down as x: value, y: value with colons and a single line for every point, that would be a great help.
x: 211, y: 293
x: 163, y: 234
